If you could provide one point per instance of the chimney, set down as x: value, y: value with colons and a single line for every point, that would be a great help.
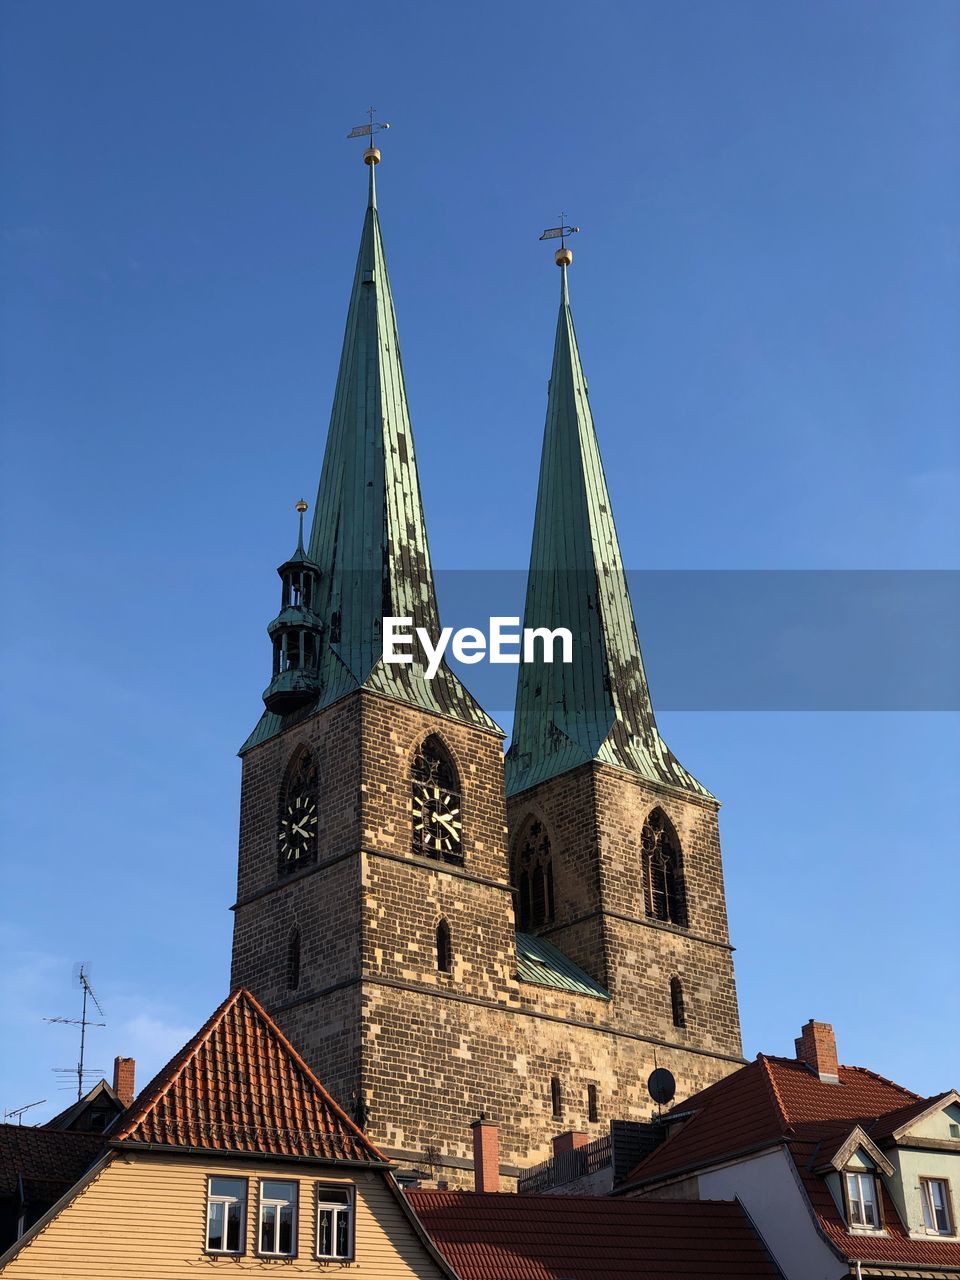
x: 569, y: 1141
x: 486, y: 1155
x: 817, y: 1047
x: 124, y: 1074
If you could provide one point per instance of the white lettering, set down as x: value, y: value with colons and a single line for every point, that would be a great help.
x: 531, y: 634
x: 392, y: 638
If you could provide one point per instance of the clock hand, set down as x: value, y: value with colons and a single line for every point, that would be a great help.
x: 300, y: 831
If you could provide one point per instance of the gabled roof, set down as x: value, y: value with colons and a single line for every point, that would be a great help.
x: 764, y: 1103
x: 539, y: 961
x: 510, y: 1237
x: 46, y: 1161
x: 239, y: 1085
x: 101, y: 1091
x: 896, y: 1123
x: 598, y: 706
x: 369, y: 537
x: 780, y: 1101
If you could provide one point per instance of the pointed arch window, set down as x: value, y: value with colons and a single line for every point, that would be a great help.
x: 533, y: 876
x: 299, y: 824
x: 676, y: 1003
x: 662, y: 870
x: 437, y: 814
x: 293, y: 959
x: 444, y: 948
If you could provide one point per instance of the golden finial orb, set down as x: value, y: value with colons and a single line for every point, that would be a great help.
x: 371, y: 155
x: 302, y: 506
x: 563, y: 257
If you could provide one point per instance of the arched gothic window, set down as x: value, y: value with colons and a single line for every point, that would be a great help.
x: 556, y: 1097
x: 444, y: 948
x: 676, y: 1003
x: 533, y: 876
x: 437, y: 815
x: 298, y: 827
x: 662, y: 873
x: 293, y: 960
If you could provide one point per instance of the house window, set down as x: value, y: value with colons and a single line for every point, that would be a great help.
x: 278, y: 1218
x: 533, y: 876
x: 593, y: 1113
x: 334, y: 1222
x: 935, y: 1198
x: 662, y: 876
x: 226, y: 1214
x: 444, y: 948
x: 862, y: 1208
x: 556, y: 1097
x: 676, y: 1003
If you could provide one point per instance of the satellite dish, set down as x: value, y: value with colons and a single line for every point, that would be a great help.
x: 662, y: 1086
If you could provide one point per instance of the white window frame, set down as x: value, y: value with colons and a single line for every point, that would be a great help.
x: 213, y: 1199
x: 264, y: 1202
x: 337, y: 1210
x: 862, y: 1178
x: 927, y: 1206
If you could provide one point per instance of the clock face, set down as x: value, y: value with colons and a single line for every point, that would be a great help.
x: 436, y: 820
x: 298, y: 830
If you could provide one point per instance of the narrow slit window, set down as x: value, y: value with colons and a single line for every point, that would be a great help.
x: 556, y: 1097
x: 444, y: 948
x: 676, y: 1003
x: 593, y: 1110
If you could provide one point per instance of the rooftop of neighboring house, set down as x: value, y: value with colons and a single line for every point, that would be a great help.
x: 501, y: 1236
x: 825, y: 1115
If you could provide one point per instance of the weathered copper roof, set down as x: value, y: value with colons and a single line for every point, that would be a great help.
x: 369, y: 536
x: 509, y: 1237
x: 239, y: 1085
x: 539, y: 961
x: 598, y: 706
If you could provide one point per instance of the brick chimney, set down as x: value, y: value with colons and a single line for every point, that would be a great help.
x: 569, y: 1141
x: 124, y: 1076
x: 486, y: 1155
x: 817, y: 1047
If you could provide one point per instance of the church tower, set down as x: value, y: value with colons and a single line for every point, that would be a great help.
x: 615, y: 848
x: 378, y: 895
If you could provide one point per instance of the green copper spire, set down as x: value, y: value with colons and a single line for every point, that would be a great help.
x: 598, y: 706
x: 369, y: 539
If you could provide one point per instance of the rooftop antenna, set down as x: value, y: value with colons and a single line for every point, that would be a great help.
x: 564, y: 256
x: 18, y: 1111
x: 372, y: 154
x: 81, y: 978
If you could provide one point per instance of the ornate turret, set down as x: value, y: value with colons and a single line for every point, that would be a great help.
x: 296, y: 632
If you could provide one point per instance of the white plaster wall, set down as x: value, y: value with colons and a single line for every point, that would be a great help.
x: 771, y: 1194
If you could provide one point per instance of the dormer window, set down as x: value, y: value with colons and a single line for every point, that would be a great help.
x: 935, y: 1199
x: 863, y: 1208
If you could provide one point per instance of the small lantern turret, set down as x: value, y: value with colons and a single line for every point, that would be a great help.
x: 296, y: 632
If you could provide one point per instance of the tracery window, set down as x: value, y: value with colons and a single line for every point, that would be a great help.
x: 437, y: 814
x: 533, y: 876
x: 662, y: 873
x: 298, y: 827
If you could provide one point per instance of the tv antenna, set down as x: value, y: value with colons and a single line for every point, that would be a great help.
x: 82, y: 979
x: 661, y: 1086
x: 18, y: 1111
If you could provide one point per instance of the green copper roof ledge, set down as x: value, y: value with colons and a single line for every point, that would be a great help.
x: 539, y: 961
x: 368, y: 537
x: 598, y: 707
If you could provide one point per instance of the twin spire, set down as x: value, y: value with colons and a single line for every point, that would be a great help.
x: 368, y: 558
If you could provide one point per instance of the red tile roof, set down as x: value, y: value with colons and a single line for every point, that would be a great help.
x: 775, y: 1101
x: 511, y: 1237
x: 239, y: 1085
x: 48, y: 1160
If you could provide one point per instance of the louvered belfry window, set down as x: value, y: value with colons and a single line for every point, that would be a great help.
x: 533, y: 876
x: 662, y: 871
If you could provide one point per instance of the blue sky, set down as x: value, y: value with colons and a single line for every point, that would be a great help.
x: 766, y: 294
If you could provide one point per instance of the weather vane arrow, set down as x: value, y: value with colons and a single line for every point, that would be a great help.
x: 563, y: 256
x: 373, y: 126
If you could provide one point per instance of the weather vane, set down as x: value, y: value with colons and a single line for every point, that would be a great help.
x: 372, y: 153
x: 563, y: 256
